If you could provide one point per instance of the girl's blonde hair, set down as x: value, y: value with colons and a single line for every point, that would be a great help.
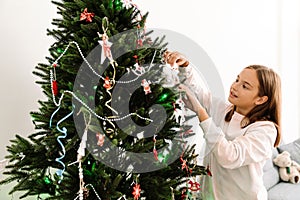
x: 270, y: 86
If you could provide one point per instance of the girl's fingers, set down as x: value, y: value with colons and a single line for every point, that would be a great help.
x: 175, y: 58
x: 182, y: 88
x: 166, y: 55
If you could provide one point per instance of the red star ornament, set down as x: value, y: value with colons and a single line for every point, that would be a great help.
x: 85, y: 15
x: 136, y: 191
x: 183, y: 164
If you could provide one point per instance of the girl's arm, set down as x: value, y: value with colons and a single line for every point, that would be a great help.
x: 254, y: 145
x: 189, y: 77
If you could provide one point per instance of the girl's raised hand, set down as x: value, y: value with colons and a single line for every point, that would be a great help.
x: 192, y: 103
x: 175, y: 58
x: 190, y: 100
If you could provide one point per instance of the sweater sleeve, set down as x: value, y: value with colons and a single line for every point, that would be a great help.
x: 215, y: 107
x: 254, y: 145
x: 189, y: 77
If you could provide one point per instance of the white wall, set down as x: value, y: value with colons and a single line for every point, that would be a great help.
x: 23, y: 44
x: 289, y: 52
x: 234, y: 33
x: 237, y: 33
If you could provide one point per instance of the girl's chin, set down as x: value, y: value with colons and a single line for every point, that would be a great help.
x: 230, y: 99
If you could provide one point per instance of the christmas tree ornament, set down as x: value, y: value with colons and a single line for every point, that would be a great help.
x: 100, y: 139
x: 138, y: 70
x: 208, y: 172
x: 106, y: 52
x: 139, y: 43
x: 82, y: 146
x: 146, y: 85
x: 184, y: 164
x: 155, y: 154
x: 54, y: 86
x: 64, y: 132
x: 139, y: 40
x: 193, y: 186
x: 154, y: 148
x: 107, y: 83
x: 85, y: 15
x: 136, y: 191
x: 179, y: 115
x: 136, y: 58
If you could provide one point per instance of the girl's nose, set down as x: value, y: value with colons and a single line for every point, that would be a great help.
x: 234, y: 85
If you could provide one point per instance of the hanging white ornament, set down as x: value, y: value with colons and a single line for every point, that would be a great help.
x: 106, y: 52
x: 179, y: 115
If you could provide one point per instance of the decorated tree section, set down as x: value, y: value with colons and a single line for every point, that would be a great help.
x: 110, y: 127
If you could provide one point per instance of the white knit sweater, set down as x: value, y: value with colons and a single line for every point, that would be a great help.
x: 236, y: 155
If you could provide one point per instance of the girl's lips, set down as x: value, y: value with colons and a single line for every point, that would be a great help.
x: 233, y: 95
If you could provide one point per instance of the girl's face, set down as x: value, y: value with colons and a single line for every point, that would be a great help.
x: 244, y: 92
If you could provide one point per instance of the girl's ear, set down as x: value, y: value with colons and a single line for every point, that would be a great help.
x: 261, y: 100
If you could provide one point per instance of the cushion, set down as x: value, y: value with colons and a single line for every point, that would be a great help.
x: 284, y: 191
x: 271, y: 174
x: 293, y: 148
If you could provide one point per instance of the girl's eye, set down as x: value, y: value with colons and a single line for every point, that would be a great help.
x: 245, y: 87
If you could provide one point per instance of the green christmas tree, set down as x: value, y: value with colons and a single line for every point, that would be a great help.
x: 108, y: 129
